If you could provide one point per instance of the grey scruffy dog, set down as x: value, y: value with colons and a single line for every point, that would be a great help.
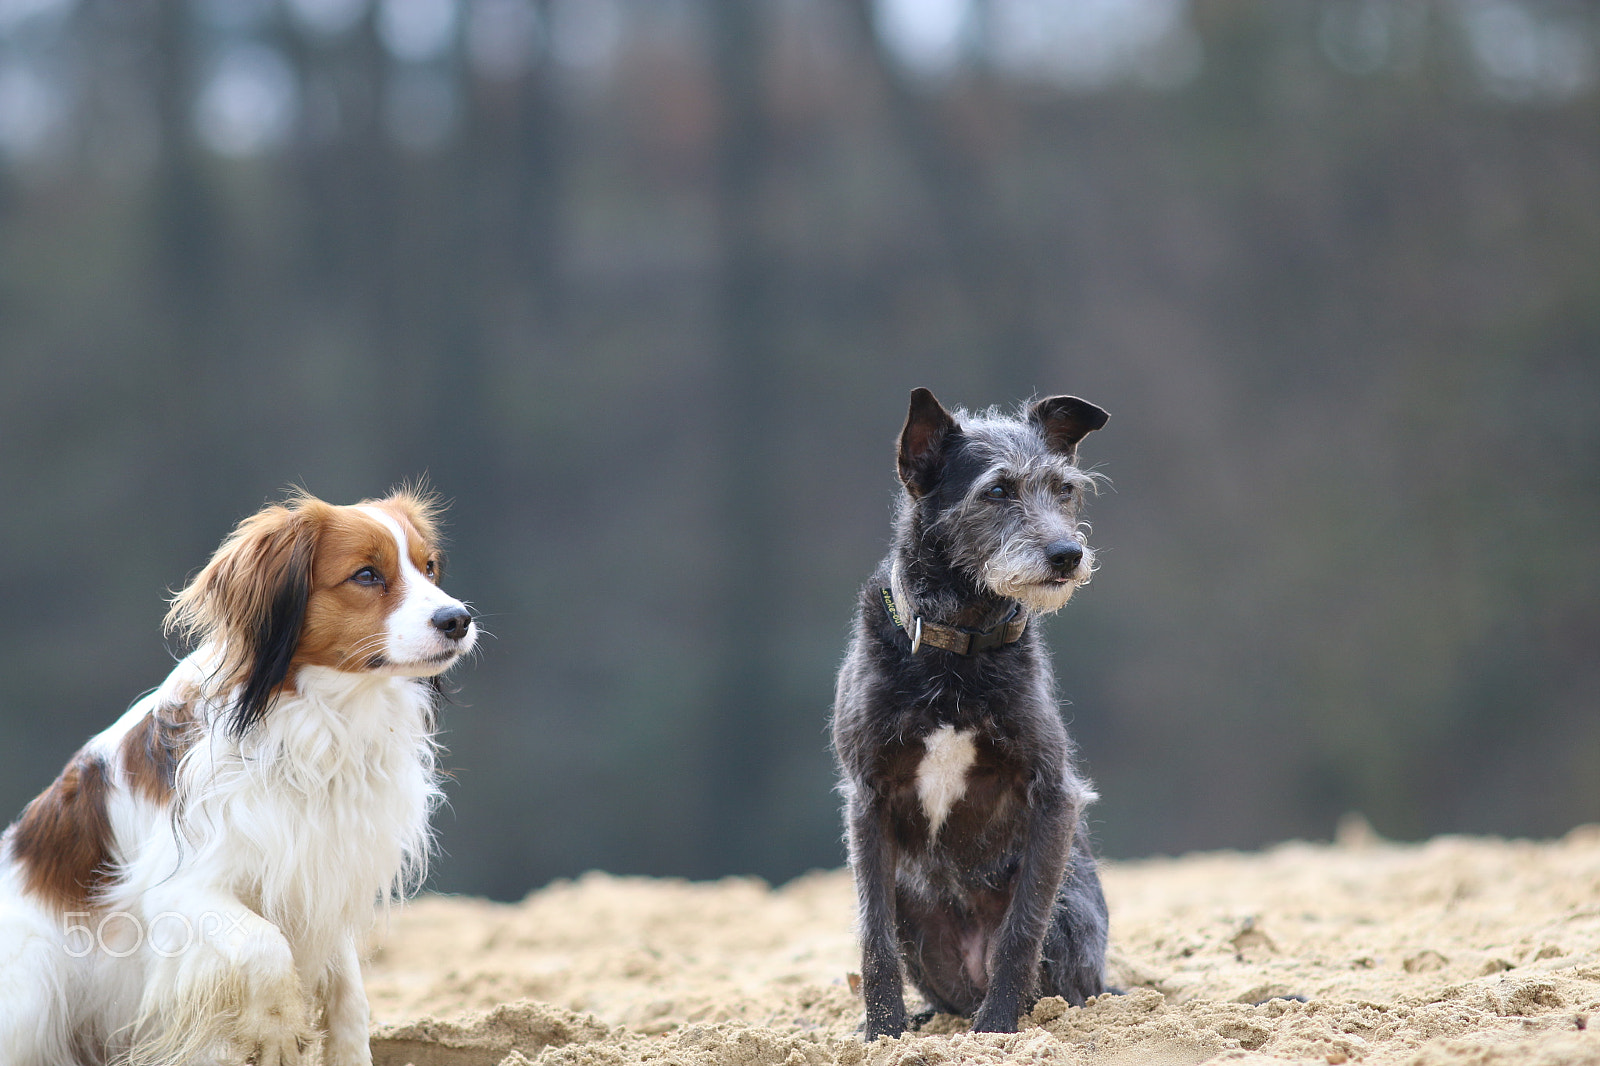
x: 963, y: 807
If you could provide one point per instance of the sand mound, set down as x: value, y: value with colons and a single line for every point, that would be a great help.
x: 1457, y: 951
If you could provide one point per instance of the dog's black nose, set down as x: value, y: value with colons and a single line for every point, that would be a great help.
x: 453, y: 622
x: 1065, y: 555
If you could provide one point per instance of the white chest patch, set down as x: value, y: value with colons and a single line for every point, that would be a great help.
x: 942, y: 774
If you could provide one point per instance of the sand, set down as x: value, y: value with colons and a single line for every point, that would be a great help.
x: 1455, y: 951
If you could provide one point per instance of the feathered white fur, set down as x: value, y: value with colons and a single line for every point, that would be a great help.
x: 229, y: 924
x: 257, y: 886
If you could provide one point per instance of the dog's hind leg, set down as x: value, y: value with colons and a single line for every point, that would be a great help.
x: 1073, y: 963
x: 34, y: 992
x: 944, y: 954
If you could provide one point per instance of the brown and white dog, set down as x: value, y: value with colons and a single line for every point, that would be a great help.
x: 195, y: 887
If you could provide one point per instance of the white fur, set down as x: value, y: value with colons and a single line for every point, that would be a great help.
x: 413, y: 646
x: 253, y: 892
x: 942, y: 773
x: 1020, y: 572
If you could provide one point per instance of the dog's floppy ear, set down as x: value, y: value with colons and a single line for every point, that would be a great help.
x: 250, y: 600
x: 928, y: 427
x: 1065, y: 420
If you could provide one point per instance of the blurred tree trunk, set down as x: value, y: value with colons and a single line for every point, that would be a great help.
x: 190, y: 291
x: 185, y: 216
x: 984, y: 257
x: 540, y: 140
x: 508, y: 194
x: 747, y: 404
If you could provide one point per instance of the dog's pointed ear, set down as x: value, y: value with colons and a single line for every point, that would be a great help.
x: 1065, y: 420
x: 250, y: 601
x: 928, y: 428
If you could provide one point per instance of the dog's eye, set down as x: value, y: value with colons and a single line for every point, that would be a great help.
x: 1067, y: 492
x: 432, y: 569
x: 997, y: 492
x: 367, y: 575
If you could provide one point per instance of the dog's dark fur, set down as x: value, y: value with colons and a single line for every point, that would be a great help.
x: 962, y: 804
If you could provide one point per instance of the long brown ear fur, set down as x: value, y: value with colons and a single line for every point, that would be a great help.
x: 250, y: 601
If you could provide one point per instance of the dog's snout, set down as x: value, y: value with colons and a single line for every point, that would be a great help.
x: 453, y: 621
x: 1065, y: 555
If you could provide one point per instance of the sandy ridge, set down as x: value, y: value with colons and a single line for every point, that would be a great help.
x: 1455, y: 951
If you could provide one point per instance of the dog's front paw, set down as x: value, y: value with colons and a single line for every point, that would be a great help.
x: 231, y: 996
x: 884, y: 1022
x: 273, y: 1032
x: 263, y: 1011
x: 342, y: 1045
x: 994, y: 1020
x: 279, y: 1049
x: 885, y: 1002
x: 272, y: 1026
x: 871, y: 1032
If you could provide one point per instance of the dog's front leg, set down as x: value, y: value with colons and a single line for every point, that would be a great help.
x: 872, y: 859
x: 222, y: 981
x: 345, y: 1013
x: 1014, y: 958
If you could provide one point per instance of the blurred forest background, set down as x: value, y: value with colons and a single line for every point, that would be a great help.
x: 643, y: 286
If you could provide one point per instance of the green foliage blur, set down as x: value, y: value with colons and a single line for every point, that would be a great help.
x: 643, y: 285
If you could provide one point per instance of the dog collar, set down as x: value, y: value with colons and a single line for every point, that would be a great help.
x: 951, y: 638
